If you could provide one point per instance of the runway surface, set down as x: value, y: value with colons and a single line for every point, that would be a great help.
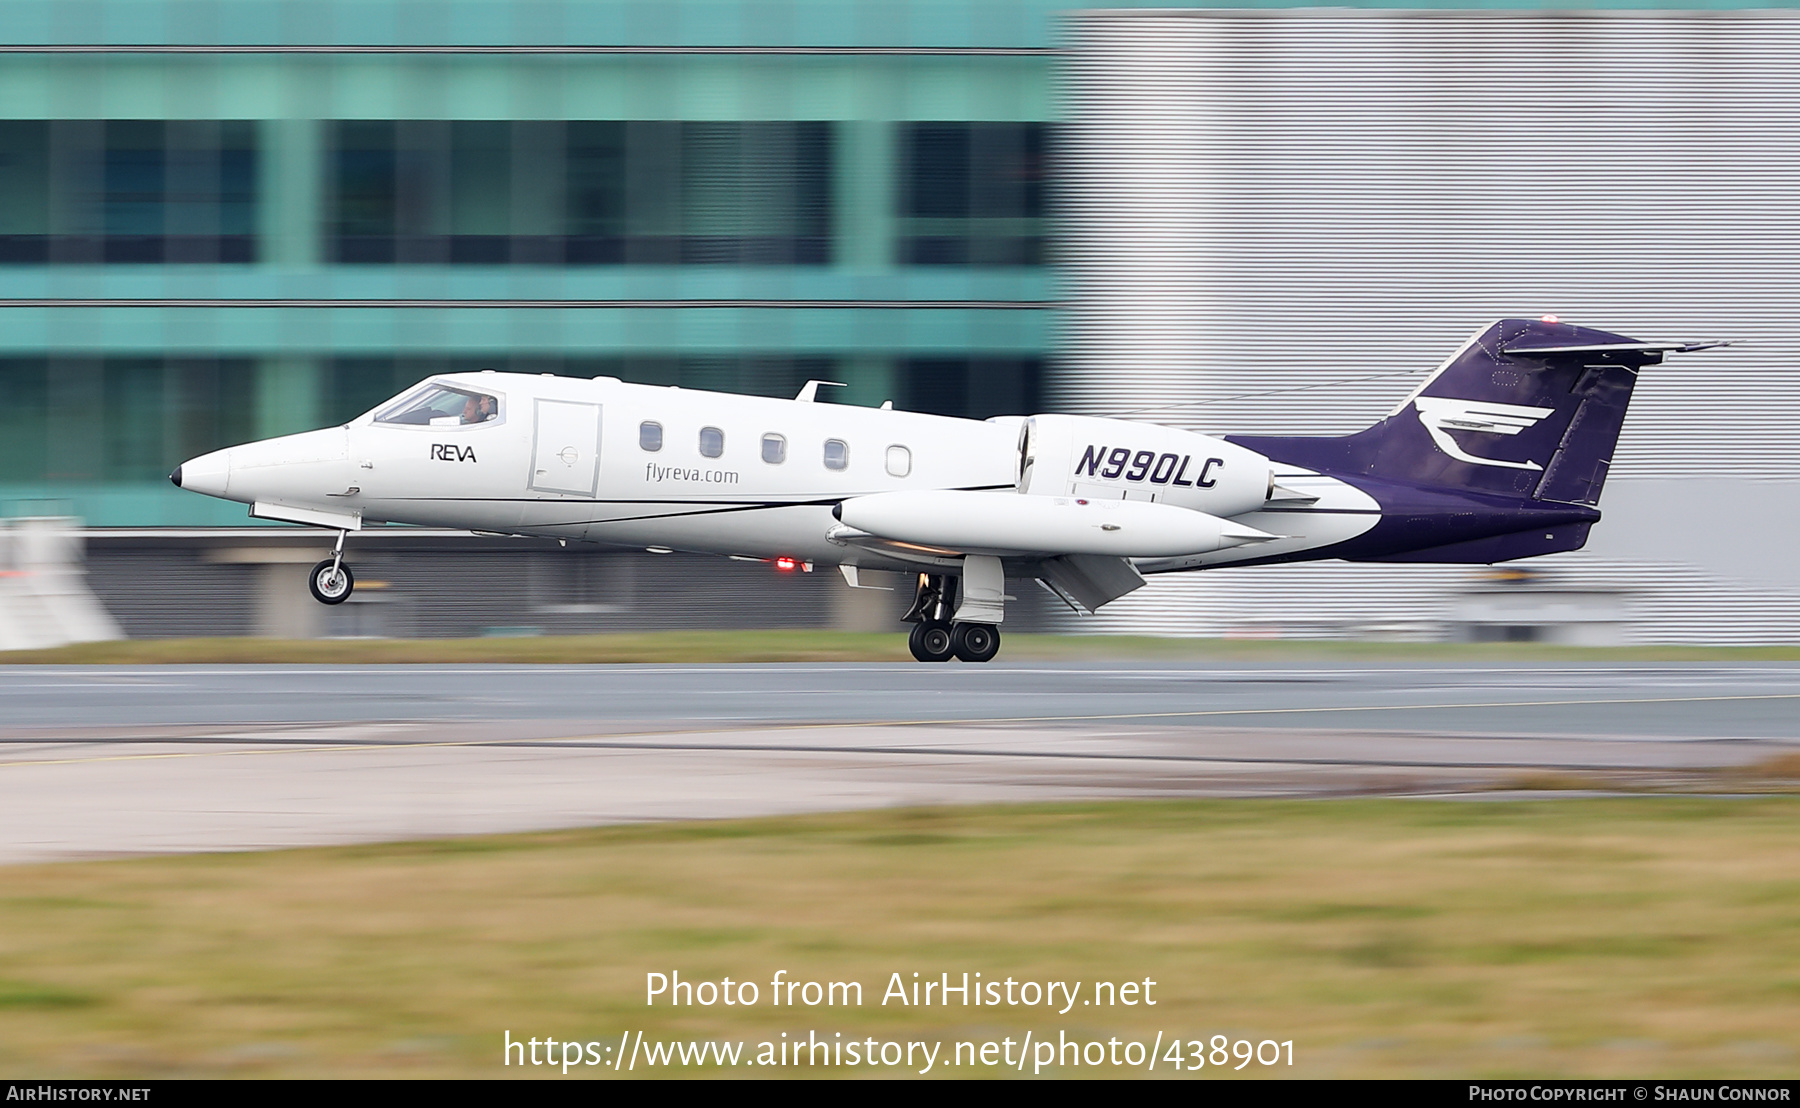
x: 103, y: 760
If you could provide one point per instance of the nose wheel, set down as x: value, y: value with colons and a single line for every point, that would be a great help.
x: 331, y: 581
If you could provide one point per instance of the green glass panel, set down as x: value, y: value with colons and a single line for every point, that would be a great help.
x: 23, y: 384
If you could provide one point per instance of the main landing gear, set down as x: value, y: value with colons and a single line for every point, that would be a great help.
x: 935, y: 636
x: 331, y: 581
x: 975, y: 642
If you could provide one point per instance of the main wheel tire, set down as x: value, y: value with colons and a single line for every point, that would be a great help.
x: 930, y: 642
x: 328, y: 587
x: 975, y: 642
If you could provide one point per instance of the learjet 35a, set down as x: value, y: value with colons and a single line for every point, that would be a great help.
x: 1499, y: 454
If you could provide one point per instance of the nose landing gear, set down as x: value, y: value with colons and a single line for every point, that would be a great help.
x: 331, y: 581
x: 935, y: 637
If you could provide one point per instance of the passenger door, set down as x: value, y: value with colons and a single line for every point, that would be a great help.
x: 565, y: 448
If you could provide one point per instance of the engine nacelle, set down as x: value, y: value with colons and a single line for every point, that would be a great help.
x: 1119, y: 459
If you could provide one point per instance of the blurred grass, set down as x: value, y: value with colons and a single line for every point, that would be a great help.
x: 819, y: 646
x: 1639, y: 937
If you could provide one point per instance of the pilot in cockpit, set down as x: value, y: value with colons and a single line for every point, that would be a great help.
x: 479, y: 409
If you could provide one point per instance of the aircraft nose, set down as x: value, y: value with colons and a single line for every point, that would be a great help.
x: 209, y: 473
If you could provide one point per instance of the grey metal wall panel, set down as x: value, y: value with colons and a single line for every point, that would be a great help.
x: 1657, y: 602
x: 155, y: 593
x: 1277, y: 221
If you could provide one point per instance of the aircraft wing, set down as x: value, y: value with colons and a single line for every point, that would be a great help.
x: 1080, y: 548
x: 1082, y: 581
x: 916, y: 553
x: 1086, y: 581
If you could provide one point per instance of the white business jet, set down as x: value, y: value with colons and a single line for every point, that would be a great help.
x: 1500, y: 454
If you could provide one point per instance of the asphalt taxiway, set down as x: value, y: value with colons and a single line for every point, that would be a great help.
x: 110, y: 760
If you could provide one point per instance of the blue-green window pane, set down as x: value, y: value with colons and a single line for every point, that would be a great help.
x: 973, y: 194
x: 80, y: 420
x: 586, y: 192
x: 355, y: 385
x: 132, y: 211
x: 363, y: 191
x: 132, y: 407
x: 208, y: 403
x: 22, y: 448
x: 24, y: 191
x: 129, y: 191
x: 972, y: 388
x: 157, y: 412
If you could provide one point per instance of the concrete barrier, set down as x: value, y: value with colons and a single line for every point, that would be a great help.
x: 44, y: 596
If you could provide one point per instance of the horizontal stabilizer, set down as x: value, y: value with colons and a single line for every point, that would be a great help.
x: 1524, y: 347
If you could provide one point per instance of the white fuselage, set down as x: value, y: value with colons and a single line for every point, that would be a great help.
x: 645, y: 466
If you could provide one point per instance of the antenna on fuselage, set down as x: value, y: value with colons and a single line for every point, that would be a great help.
x: 809, y: 392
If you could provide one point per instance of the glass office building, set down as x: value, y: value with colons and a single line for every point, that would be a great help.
x: 228, y: 221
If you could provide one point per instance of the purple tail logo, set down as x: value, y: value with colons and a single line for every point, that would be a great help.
x: 1442, y: 415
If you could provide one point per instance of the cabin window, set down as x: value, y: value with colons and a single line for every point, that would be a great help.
x: 899, y: 461
x: 774, y: 449
x: 712, y: 442
x: 650, y: 435
x: 442, y: 406
x: 837, y: 454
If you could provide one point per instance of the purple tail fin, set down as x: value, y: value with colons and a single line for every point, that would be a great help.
x: 1526, y: 408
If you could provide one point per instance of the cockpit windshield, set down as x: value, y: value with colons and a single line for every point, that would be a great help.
x: 443, y: 406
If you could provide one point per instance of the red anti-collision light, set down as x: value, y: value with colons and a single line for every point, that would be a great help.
x: 785, y: 565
